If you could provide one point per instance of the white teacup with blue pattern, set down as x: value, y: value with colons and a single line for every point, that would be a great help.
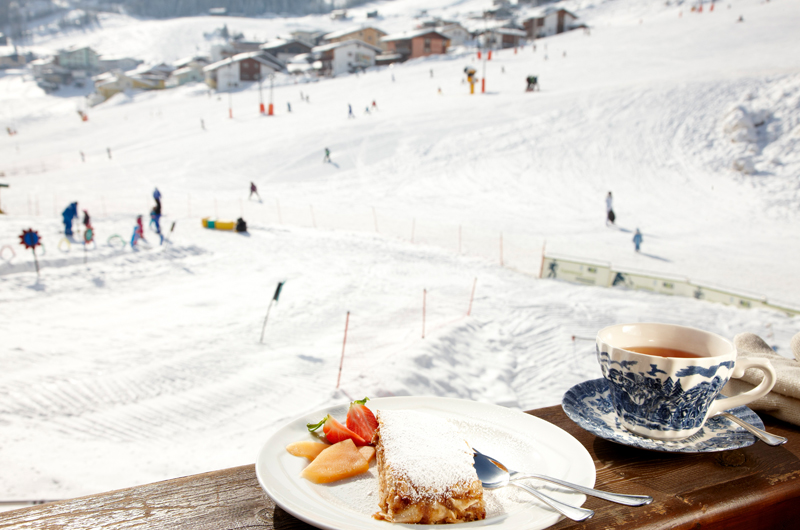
x: 670, y: 398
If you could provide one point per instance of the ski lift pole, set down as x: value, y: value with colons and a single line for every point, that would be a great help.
x: 271, y: 111
x: 260, y: 95
x: 485, y: 52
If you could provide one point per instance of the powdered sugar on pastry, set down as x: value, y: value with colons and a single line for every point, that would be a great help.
x: 428, y: 452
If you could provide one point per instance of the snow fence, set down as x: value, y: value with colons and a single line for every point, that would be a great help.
x: 603, y: 274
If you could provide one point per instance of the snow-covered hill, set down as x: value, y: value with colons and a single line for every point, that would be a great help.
x: 139, y: 366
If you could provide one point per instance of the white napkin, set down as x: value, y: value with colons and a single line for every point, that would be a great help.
x: 783, y: 402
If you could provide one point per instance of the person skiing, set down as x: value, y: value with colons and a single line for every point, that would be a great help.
x: 289, y: 106
x: 327, y: 156
x: 374, y: 105
x: 138, y: 232
x: 157, y: 197
x: 350, y: 111
x: 69, y: 213
x: 637, y: 239
x: 87, y: 222
x: 533, y: 83
x: 610, y: 217
x: 253, y: 190
x: 155, y: 219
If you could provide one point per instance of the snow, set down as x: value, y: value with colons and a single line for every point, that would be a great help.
x: 142, y: 366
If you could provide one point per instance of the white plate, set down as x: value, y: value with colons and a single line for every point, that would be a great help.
x: 521, y: 441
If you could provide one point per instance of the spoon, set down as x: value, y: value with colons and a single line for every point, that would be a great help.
x: 764, y: 436
x: 619, y: 498
x: 492, y: 476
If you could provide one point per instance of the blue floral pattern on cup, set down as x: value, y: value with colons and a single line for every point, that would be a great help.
x: 640, y: 397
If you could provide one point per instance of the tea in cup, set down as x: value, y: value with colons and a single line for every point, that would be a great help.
x: 664, y: 379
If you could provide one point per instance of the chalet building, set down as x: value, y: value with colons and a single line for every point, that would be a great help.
x: 456, y: 33
x: 153, y: 76
x: 250, y: 66
x: 368, y: 34
x: 285, y: 50
x: 107, y: 63
x: 233, y: 47
x: 75, y: 58
x: 187, y: 70
x: 311, y: 37
x: 110, y: 83
x: 184, y: 75
x: 503, y: 37
x: 11, y: 60
x: 418, y: 43
x: 350, y: 56
x: 549, y: 21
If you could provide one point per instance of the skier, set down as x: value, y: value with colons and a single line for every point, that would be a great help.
x: 637, y: 239
x: 366, y: 109
x: 289, y: 106
x: 350, y: 111
x: 108, y: 150
x: 533, y: 83
x: 83, y: 157
x: 155, y: 220
x: 140, y: 227
x: 202, y: 124
x: 138, y: 232
x: 327, y: 156
x: 87, y: 222
x: 70, y: 213
x: 431, y: 72
x: 610, y: 217
x: 254, y: 190
x: 374, y: 105
x: 157, y: 197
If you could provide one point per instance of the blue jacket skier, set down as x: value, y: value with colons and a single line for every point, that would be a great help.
x: 70, y: 213
x: 637, y: 239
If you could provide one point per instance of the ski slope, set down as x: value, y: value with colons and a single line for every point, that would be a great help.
x: 140, y: 366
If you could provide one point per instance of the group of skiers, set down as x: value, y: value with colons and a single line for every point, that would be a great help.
x: 155, y: 221
x: 70, y: 215
x: 611, y: 217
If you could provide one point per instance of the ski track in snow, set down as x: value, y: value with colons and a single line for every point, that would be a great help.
x: 142, y: 366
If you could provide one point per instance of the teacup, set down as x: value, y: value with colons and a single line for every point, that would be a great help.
x: 664, y: 379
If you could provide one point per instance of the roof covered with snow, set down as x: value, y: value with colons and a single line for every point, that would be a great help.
x: 260, y: 56
x: 334, y: 45
x: 405, y: 35
x: 348, y: 31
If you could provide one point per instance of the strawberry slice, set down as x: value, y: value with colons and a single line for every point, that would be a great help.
x: 361, y: 420
x: 335, y: 432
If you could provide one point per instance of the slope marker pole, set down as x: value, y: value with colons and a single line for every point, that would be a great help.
x: 344, y: 343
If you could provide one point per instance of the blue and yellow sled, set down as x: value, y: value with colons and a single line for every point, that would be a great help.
x: 218, y: 225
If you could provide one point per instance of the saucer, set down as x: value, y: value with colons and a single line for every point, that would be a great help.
x: 588, y: 404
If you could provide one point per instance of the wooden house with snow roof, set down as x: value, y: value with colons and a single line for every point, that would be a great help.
x: 251, y: 66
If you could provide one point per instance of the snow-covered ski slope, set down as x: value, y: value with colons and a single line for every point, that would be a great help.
x: 139, y: 366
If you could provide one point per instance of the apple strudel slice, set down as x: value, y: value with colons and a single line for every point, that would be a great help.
x: 425, y: 471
